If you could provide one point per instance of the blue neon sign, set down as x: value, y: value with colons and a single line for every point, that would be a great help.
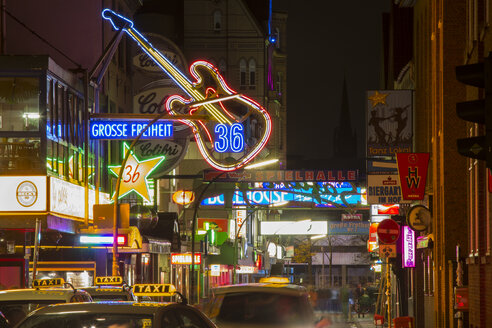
x: 229, y: 138
x: 129, y: 129
x: 341, y: 194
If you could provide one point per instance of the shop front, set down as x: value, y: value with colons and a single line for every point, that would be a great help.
x: 54, y: 206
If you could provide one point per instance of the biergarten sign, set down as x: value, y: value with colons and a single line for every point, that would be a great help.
x: 384, y: 189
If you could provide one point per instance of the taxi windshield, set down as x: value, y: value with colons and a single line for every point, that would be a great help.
x: 110, y: 297
x: 83, y: 320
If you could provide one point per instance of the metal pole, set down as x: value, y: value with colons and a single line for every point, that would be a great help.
x: 388, y: 291
x: 193, y: 224
x: 86, y: 148
x: 117, y: 194
x: 323, y: 268
x: 27, y: 256
x: 331, y: 261
x: 35, y: 255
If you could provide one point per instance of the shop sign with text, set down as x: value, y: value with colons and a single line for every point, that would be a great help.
x: 320, y: 194
x: 185, y: 258
x: 389, y: 122
x: 408, y: 241
x: 284, y: 176
x: 304, y: 227
x: 384, y: 189
x: 412, y: 169
x: 348, y: 228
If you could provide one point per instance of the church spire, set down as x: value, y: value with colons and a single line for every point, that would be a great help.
x: 345, y: 138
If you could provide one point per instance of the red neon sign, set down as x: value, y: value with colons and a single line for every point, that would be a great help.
x: 208, y: 94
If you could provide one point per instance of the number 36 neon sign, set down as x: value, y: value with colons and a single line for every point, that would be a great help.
x: 229, y: 138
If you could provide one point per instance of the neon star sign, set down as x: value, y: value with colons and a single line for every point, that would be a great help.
x: 208, y: 95
x: 135, y: 174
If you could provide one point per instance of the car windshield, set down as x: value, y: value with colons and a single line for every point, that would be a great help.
x: 84, y: 319
x: 14, y: 311
x: 265, y: 308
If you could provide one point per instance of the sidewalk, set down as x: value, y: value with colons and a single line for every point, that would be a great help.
x: 366, y: 322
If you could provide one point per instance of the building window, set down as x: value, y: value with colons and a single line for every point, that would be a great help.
x: 252, y: 73
x: 242, y: 73
x: 277, y: 38
x: 19, y: 104
x: 217, y: 21
x: 279, y: 83
x: 222, y: 67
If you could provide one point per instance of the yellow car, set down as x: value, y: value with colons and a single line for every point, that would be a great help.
x: 15, y: 304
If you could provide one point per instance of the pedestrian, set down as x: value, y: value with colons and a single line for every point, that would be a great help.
x: 359, y: 291
x: 344, y: 300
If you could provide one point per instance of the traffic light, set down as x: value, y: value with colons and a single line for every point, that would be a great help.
x: 477, y: 111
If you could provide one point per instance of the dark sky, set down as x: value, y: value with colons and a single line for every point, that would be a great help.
x: 328, y: 40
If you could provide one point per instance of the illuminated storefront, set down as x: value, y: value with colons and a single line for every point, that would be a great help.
x: 44, y: 171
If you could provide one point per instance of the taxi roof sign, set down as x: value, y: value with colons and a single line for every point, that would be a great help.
x: 44, y: 283
x: 154, y: 290
x: 109, y: 280
x: 275, y: 280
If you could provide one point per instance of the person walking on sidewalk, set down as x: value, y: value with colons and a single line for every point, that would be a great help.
x: 359, y: 291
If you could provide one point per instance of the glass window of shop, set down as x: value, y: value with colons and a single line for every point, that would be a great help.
x: 64, y: 131
x: 19, y: 112
x: 19, y: 104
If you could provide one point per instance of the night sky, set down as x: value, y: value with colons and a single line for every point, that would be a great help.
x: 328, y: 40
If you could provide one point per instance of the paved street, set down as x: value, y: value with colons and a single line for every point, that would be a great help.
x: 337, y: 321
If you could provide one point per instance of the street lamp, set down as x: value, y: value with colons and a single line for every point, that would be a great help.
x: 260, y: 164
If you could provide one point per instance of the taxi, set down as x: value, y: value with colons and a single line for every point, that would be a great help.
x: 15, y: 304
x: 272, y: 302
x: 122, y: 314
x: 110, y: 288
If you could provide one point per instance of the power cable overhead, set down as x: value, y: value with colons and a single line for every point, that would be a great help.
x: 41, y: 38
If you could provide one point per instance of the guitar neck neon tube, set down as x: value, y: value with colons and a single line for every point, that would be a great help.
x: 208, y: 95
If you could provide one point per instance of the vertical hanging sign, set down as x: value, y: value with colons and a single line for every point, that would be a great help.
x: 408, y: 260
x: 412, y: 169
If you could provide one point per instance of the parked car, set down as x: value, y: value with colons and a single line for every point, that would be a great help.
x: 15, y: 304
x: 269, y: 303
x: 121, y: 314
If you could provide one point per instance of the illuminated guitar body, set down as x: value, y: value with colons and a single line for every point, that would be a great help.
x: 208, y: 95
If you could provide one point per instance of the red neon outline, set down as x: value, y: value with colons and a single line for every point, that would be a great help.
x: 205, y: 152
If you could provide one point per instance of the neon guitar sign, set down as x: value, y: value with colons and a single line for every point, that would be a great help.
x: 208, y: 95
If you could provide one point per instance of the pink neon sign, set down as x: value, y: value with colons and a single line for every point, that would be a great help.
x: 408, y: 256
